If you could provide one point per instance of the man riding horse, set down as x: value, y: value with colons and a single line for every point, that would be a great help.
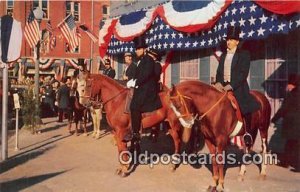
x: 232, y: 76
x: 145, y: 97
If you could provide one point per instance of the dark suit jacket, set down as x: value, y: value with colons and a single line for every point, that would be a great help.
x: 63, y: 97
x: 145, y: 97
x: 110, y: 72
x: 290, y: 112
x: 238, y: 80
x: 130, y: 71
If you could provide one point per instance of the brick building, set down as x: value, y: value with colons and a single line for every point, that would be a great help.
x: 88, y: 13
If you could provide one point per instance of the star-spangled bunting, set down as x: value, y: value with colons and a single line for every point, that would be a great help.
x: 255, y: 23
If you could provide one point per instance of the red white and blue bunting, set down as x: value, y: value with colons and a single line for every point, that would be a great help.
x: 187, y: 25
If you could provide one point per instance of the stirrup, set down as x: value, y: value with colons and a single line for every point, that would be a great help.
x: 247, y: 139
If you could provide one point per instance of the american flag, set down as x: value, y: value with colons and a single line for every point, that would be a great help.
x: 52, y: 36
x: 49, y: 27
x: 93, y: 37
x: 32, y: 30
x: 69, y: 31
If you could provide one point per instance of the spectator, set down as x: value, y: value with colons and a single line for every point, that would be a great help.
x: 109, y: 71
x: 290, y: 113
x: 63, y: 95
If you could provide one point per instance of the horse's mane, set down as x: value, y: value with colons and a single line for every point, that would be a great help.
x: 196, y: 83
x: 108, y: 79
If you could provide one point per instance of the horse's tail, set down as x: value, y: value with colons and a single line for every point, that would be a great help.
x: 265, y: 113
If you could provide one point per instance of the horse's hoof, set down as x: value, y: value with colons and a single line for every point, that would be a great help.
x: 123, y: 174
x: 240, y: 178
x: 118, y: 171
x: 85, y: 134
x: 211, y: 189
x: 220, y: 189
x: 173, y: 168
x: 262, y: 177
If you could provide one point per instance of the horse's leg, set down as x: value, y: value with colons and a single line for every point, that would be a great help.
x: 93, y: 114
x: 176, y: 139
x: 84, y: 122
x: 123, y: 170
x: 263, y: 171
x: 212, y: 150
x: 220, y: 164
x: 97, y: 117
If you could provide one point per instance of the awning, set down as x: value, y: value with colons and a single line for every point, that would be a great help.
x: 188, y: 25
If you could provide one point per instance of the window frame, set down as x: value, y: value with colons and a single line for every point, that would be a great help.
x: 8, y: 7
x: 76, y: 13
x: 40, y: 4
x: 189, y: 67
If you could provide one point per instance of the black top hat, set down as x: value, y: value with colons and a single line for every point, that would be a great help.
x: 139, y: 42
x: 233, y: 32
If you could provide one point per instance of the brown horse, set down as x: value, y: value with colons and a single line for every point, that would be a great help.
x: 218, y: 119
x: 113, y: 96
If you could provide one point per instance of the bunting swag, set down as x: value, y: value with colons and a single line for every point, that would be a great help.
x: 11, y: 39
x: 186, y: 25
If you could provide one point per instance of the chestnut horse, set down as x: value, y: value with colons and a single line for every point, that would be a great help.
x: 218, y: 119
x: 113, y: 96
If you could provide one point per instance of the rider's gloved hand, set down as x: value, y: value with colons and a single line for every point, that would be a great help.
x: 227, y: 88
x: 218, y: 86
x: 131, y: 83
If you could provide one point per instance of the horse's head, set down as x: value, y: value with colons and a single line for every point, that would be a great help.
x: 182, y: 106
x: 84, y: 85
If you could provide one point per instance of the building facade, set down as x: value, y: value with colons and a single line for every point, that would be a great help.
x: 89, y: 13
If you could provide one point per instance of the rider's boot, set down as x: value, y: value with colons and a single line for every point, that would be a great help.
x: 247, y: 136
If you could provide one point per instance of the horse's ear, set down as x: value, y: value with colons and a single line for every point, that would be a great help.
x: 173, y: 90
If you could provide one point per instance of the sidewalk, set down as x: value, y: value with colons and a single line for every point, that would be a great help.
x: 55, y: 161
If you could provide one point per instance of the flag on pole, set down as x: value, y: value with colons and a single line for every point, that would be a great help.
x: 93, y: 37
x: 49, y: 28
x: 52, y: 42
x: 52, y: 37
x: 32, y: 30
x: 69, y: 31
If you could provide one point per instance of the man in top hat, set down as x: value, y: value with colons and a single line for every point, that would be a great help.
x: 130, y: 67
x: 109, y: 71
x: 232, y: 75
x: 145, y: 96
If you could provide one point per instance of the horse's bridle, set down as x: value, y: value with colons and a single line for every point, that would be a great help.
x: 89, y: 94
x: 183, y: 102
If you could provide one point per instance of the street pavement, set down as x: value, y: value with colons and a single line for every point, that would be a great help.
x: 56, y: 161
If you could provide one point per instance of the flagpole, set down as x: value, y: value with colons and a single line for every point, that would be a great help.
x: 38, y: 13
x: 4, y: 152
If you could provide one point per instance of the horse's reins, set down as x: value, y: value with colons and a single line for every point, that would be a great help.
x: 181, y: 98
x: 110, y: 99
x: 204, y: 114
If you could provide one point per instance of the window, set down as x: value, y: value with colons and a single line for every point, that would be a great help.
x: 10, y: 7
x: 189, y: 66
x: 67, y: 48
x: 43, y: 4
x: 73, y: 8
x: 105, y: 10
